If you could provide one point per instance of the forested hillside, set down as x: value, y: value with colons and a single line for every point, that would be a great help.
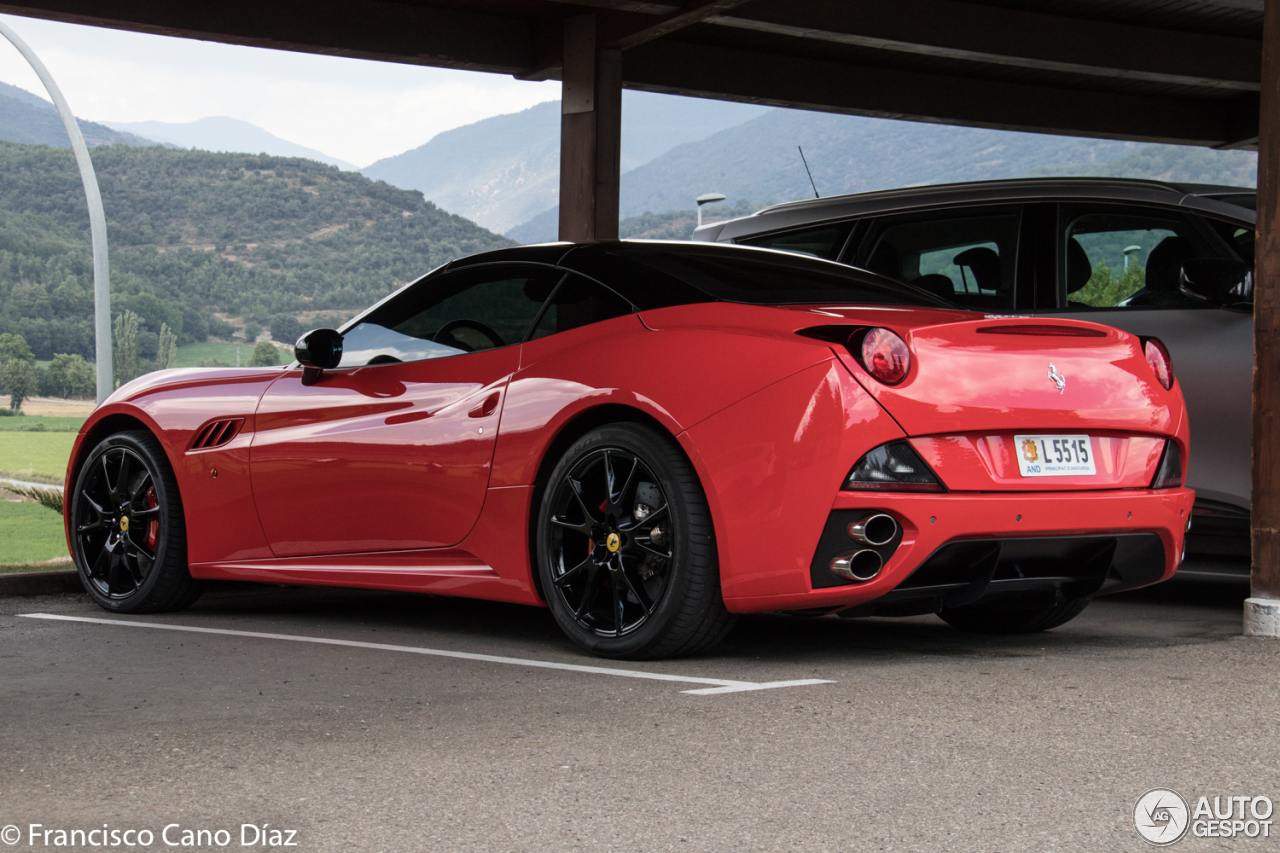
x: 194, y: 233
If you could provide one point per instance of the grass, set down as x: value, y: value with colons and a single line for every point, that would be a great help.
x: 40, y: 423
x: 29, y: 533
x: 189, y: 356
x: 40, y: 457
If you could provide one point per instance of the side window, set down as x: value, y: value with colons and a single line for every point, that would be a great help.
x: 473, y: 309
x: 1125, y: 257
x: 969, y: 257
x: 579, y: 301
x: 1241, y: 237
x: 823, y: 242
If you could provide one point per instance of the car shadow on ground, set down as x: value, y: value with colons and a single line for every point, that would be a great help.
x: 1174, y: 613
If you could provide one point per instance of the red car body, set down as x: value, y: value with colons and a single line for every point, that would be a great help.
x: 423, y: 476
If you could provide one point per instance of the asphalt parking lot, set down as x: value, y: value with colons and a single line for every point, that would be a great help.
x: 923, y: 738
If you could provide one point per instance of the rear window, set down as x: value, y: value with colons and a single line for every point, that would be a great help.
x: 760, y: 277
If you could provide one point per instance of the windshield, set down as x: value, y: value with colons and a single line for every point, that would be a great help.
x: 764, y: 277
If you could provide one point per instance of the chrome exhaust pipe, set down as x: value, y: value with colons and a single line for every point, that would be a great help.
x: 860, y: 566
x: 875, y: 530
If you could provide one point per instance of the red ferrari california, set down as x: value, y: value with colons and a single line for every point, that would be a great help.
x: 649, y: 438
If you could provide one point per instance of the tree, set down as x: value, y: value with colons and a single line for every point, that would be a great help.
x: 15, y: 346
x: 264, y: 355
x: 167, y: 351
x: 21, y: 379
x: 126, y: 348
x: 251, y: 331
x: 68, y: 376
x: 285, y: 329
x: 18, y: 373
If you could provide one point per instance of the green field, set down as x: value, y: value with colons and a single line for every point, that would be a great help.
x: 40, y: 423
x: 40, y: 457
x: 30, y: 533
x: 190, y: 356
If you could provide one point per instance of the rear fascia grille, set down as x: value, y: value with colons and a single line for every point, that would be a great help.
x: 1045, y: 570
x: 216, y: 433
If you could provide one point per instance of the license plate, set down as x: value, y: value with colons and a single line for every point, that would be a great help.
x: 1054, y: 455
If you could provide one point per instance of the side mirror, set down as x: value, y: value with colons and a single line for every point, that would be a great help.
x: 317, y: 351
x: 1217, y: 281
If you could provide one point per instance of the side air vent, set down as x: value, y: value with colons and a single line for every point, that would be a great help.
x: 217, y: 433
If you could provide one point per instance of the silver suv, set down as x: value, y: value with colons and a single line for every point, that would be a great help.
x: 1173, y: 261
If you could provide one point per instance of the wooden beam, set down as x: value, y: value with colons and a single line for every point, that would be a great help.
x: 371, y: 29
x: 1266, y: 325
x: 765, y: 78
x: 590, y: 134
x: 1014, y: 38
x: 692, y: 13
x: 625, y: 25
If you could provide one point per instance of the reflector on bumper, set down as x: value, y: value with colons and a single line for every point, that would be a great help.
x: 893, y: 467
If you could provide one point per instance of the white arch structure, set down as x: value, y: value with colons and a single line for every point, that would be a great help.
x: 97, y: 220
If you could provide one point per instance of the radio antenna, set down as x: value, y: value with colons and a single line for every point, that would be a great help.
x: 807, y: 172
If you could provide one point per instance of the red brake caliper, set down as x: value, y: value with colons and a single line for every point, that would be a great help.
x: 153, y: 529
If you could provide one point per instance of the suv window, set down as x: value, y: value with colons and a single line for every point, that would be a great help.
x: 966, y: 256
x: 473, y: 309
x: 824, y: 242
x: 1240, y: 237
x: 1124, y: 257
x: 579, y: 301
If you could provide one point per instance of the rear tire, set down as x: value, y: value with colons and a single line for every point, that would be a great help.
x: 1024, y: 621
x: 626, y: 550
x: 128, y: 533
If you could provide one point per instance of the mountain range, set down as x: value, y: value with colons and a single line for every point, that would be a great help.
x: 219, y: 133
x: 30, y: 119
x: 759, y: 162
x: 504, y: 170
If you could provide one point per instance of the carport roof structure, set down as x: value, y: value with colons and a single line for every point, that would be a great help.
x: 1198, y: 72
x: 1185, y: 71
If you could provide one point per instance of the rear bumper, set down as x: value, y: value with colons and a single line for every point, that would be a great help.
x: 961, y: 547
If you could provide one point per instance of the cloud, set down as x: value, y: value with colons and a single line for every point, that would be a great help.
x: 357, y: 110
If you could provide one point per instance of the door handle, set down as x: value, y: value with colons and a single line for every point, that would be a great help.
x: 487, y: 407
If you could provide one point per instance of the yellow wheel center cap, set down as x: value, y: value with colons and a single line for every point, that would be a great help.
x: 124, y: 524
x: 613, y: 542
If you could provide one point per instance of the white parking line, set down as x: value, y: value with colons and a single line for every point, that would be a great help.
x: 717, y: 685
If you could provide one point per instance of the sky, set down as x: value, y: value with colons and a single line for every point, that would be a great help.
x: 353, y: 109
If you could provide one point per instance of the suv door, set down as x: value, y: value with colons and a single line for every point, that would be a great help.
x: 1120, y: 265
x: 967, y: 255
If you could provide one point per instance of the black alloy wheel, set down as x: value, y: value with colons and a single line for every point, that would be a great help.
x: 626, y: 552
x: 127, y: 531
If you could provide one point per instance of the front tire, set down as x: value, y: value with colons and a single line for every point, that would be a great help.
x: 128, y: 534
x: 1031, y: 620
x: 626, y: 550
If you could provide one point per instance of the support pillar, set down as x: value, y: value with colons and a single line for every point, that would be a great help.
x: 1262, y: 610
x: 590, y: 134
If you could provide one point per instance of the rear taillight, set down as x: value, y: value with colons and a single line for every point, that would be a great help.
x: 1169, y: 474
x: 893, y: 467
x: 885, y: 356
x: 1158, y: 358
